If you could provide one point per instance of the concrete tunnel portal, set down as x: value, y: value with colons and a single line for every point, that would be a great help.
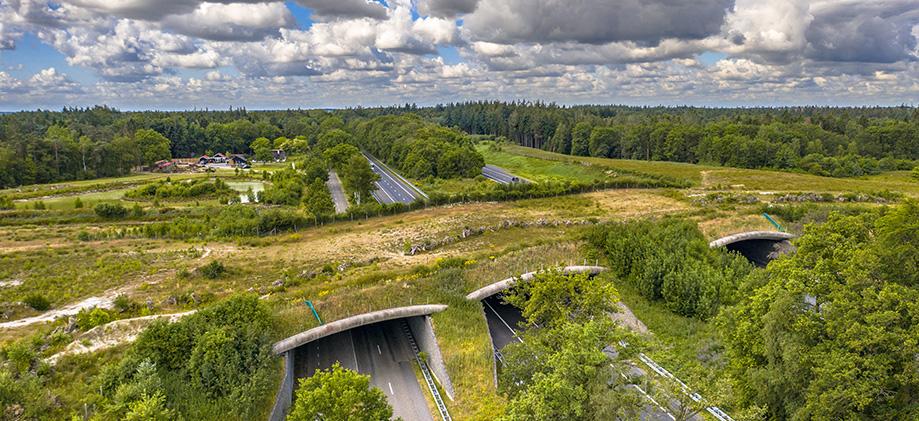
x: 759, y: 247
x: 378, y: 344
x: 505, y: 322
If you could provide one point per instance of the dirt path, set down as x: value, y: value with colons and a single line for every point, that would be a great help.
x: 104, y: 301
x: 626, y: 318
x: 112, y: 334
x: 338, y: 194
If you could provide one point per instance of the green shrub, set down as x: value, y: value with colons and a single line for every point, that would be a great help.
x: 78, y: 204
x: 137, y: 211
x: 124, y: 304
x: 37, y: 302
x: 669, y: 260
x: 110, y: 211
x: 216, y: 361
x: 213, y: 270
x: 39, y: 205
x: 181, y: 189
x: 6, y: 203
x: 90, y: 318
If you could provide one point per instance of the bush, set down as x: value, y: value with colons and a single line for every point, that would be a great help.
x: 180, y: 189
x: 216, y: 361
x: 78, y: 204
x: 37, y: 302
x: 6, y: 203
x: 213, y: 270
x: 669, y: 260
x: 110, y: 211
x: 90, y: 318
x: 124, y: 304
x: 137, y: 211
x: 39, y: 205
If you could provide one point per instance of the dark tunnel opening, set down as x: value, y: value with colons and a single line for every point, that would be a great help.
x: 761, y: 252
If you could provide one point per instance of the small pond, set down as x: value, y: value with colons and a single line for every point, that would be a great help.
x: 244, y: 186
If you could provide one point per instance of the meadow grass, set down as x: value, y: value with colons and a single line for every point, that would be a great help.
x: 674, y: 170
x: 539, y: 170
x: 689, y: 348
x: 704, y: 176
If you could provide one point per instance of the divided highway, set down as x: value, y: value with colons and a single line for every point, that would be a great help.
x: 380, y: 350
x: 500, y: 175
x: 392, y: 188
x: 504, y: 321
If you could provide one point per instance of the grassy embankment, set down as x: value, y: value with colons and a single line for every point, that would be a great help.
x: 48, y: 258
x: 702, y: 176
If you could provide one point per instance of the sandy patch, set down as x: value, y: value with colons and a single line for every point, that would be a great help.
x: 112, y: 334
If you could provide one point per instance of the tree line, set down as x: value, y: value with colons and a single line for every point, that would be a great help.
x: 82, y: 143
x: 839, y: 142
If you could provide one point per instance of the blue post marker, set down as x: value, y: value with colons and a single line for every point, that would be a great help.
x: 775, y: 224
x: 310, y: 305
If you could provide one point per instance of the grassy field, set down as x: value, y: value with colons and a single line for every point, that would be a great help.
x: 542, y: 164
x: 674, y: 170
x: 538, y: 169
x: 351, y: 267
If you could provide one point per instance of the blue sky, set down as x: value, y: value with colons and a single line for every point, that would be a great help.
x: 339, y: 53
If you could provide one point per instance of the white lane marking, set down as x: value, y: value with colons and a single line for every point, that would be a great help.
x: 357, y: 367
x: 386, y: 173
x: 378, y: 349
x: 646, y: 395
x: 502, y: 321
x: 390, y: 389
x: 380, y: 186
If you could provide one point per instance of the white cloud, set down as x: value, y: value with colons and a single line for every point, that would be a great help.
x: 235, y: 21
x: 577, y: 51
x: 345, y: 8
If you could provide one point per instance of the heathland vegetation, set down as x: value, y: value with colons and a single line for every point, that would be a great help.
x: 157, y: 296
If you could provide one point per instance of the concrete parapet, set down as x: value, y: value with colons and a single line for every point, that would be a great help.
x: 342, y: 325
x: 752, y: 235
x: 489, y: 290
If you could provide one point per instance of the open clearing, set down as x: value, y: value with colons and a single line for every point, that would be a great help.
x: 360, y: 265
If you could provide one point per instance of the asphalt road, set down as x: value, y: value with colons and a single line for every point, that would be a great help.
x: 504, y: 323
x: 500, y: 175
x: 338, y: 193
x: 391, y: 188
x: 380, y: 350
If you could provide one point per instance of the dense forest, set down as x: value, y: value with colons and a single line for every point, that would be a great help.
x: 838, y: 142
x: 45, y: 146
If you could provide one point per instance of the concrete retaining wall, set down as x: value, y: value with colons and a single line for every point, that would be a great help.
x: 752, y: 235
x: 423, y: 330
x: 489, y: 290
x: 284, y: 399
x: 342, y: 325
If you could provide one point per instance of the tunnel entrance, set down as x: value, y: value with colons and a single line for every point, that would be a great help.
x: 761, y: 251
x: 380, y: 350
x: 505, y: 323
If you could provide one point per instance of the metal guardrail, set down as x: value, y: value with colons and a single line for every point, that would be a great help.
x: 386, y: 168
x: 713, y: 410
x: 426, y: 373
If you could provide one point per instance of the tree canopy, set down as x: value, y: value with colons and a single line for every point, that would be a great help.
x: 339, y: 394
x: 830, y: 332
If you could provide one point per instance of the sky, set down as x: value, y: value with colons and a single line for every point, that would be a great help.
x: 188, y: 54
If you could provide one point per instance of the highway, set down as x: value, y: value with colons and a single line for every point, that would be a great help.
x: 503, y: 321
x: 500, y: 175
x: 338, y: 193
x: 504, y: 324
x: 380, y: 350
x: 391, y: 188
